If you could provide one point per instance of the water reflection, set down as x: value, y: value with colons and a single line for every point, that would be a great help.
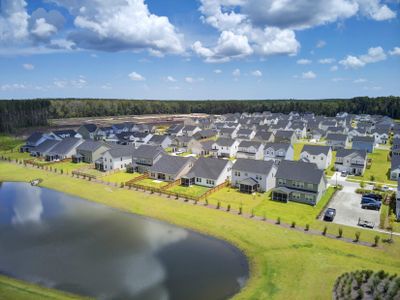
x: 63, y: 242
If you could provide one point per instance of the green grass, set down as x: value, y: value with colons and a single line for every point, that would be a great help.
x: 152, y: 183
x: 379, y: 168
x: 120, y: 177
x: 8, y: 143
x: 194, y: 190
x: 19, y: 290
x: 67, y: 166
x: 261, y: 204
x: 284, y: 263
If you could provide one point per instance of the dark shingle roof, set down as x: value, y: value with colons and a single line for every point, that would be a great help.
x: 395, y: 163
x: 316, y: 149
x: 277, y: 146
x: 90, y: 127
x: 148, y: 151
x: 246, y: 144
x: 210, y: 168
x: 66, y: 145
x: 336, y: 137
x: 364, y: 139
x: 353, y: 152
x: 158, y: 139
x: 301, y: 171
x: 89, y: 145
x: 46, y: 146
x: 253, y: 166
x: 34, y: 137
x: 171, y: 164
x: 121, y: 150
x: 224, y: 142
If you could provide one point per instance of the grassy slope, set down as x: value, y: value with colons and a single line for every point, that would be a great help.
x: 120, y: 177
x: 285, y: 264
x: 19, y: 290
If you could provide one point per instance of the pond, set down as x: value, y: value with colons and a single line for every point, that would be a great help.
x: 66, y: 243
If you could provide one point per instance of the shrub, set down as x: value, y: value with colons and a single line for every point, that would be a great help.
x: 372, y: 178
x: 362, y: 184
x: 240, y: 210
x: 357, y: 234
x: 228, y: 207
x: 376, y: 240
x: 340, y: 232
x: 293, y: 224
x: 218, y: 205
x: 278, y: 220
x: 307, y: 228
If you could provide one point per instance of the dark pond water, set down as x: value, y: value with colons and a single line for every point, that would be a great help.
x: 66, y: 243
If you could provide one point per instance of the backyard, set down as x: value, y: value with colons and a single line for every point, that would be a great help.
x: 120, y: 177
x: 192, y: 191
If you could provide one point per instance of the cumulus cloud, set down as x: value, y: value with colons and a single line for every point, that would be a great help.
x: 334, y: 68
x: 13, y: 21
x: 28, y: 67
x: 320, y: 44
x: 308, y: 75
x: 193, y: 80
x: 136, y: 76
x: 374, y: 54
x: 360, y: 80
x: 395, y: 51
x: 304, y: 61
x: 217, y: 71
x: 236, y: 73
x: 170, y: 79
x: 42, y: 29
x: 326, y: 61
x: 256, y: 73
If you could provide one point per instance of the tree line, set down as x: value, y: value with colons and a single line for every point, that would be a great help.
x: 24, y: 113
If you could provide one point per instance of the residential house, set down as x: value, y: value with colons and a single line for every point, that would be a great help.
x: 171, y: 168
x: 90, y: 151
x: 325, y: 124
x: 351, y: 161
x: 145, y: 157
x: 398, y: 200
x: 62, y: 134
x: 205, y: 134
x: 118, y: 157
x: 88, y: 131
x: 300, y: 182
x: 203, y: 149
x: 366, y: 143
x: 224, y: 147
x: 395, y: 168
x: 251, y: 176
x: 184, y: 144
x: 285, y: 136
x: 316, y: 134
x: 278, y: 152
x: 43, y: 148
x: 175, y: 130
x: 395, y: 147
x: 299, y: 129
x: 251, y: 150
x: 103, y: 132
x: 34, y: 140
x: 381, y: 135
x: 64, y: 149
x: 229, y: 133
x: 164, y: 141
x: 319, y: 155
x: 245, y: 134
x: 264, y: 137
x: 337, y: 141
x: 359, y: 131
x: 208, y: 172
x: 190, y: 130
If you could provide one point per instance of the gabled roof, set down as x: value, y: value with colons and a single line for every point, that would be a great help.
x: 34, y: 137
x: 364, y: 139
x: 210, y: 168
x: 246, y: 144
x: 299, y: 171
x: 316, y: 149
x: 147, y: 151
x: 68, y: 132
x: 90, y: 127
x: 253, y: 166
x: 263, y: 135
x: 351, y: 152
x: 158, y: 139
x: 227, y: 130
x: 244, y: 131
x: 277, y: 146
x: 121, y: 151
x: 46, y: 146
x: 284, y: 134
x: 395, y: 163
x: 336, y: 137
x: 168, y: 164
x: 225, y: 142
x: 66, y: 145
x: 89, y: 145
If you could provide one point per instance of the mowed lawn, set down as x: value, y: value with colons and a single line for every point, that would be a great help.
x: 284, y: 263
x: 191, y: 191
x: 152, y: 183
x: 120, y: 177
x: 380, y: 168
x: 262, y: 205
x: 66, y: 166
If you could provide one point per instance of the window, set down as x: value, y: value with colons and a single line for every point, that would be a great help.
x: 198, y: 179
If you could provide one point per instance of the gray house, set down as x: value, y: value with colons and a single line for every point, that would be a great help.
x: 250, y: 175
x: 278, y: 151
x: 64, y: 149
x: 351, y: 161
x: 171, y: 168
x: 89, y: 151
x: 145, y: 157
x: 300, y: 182
x: 43, y: 148
x: 366, y: 143
x: 395, y: 168
x: 88, y: 131
x: 285, y: 136
x: 337, y: 141
x: 160, y: 140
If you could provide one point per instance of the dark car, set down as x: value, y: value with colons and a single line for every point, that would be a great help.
x: 330, y: 214
x: 373, y: 196
x: 372, y: 205
x: 367, y: 200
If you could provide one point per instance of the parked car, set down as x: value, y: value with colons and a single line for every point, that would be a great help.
x: 330, y: 214
x: 366, y: 200
x: 371, y: 205
x: 385, y: 188
x: 365, y: 223
x: 343, y: 173
x: 376, y: 197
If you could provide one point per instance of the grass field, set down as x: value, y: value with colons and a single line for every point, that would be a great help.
x: 120, y: 177
x: 284, y: 263
x: 194, y: 190
x: 261, y: 204
x: 152, y: 183
x: 18, y: 290
x: 8, y: 143
x: 67, y: 166
x: 379, y: 168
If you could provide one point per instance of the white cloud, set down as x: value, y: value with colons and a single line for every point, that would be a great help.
x: 236, y: 73
x: 13, y: 86
x: 193, y: 80
x: 304, y: 61
x: 136, y: 76
x: 326, y: 61
x: 217, y: 71
x: 320, y: 44
x: 395, y: 51
x: 360, y: 80
x: 374, y: 54
x: 13, y: 21
x: 375, y: 10
x: 334, y: 68
x: 28, y: 67
x: 338, y: 79
x: 256, y: 73
x: 308, y: 75
x: 42, y: 29
x: 170, y: 79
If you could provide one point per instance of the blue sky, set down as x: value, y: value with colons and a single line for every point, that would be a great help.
x: 208, y: 49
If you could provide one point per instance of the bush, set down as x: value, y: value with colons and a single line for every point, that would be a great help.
x: 293, y: 224
x: 357, y: 234
x: 362, y: 184
x: 340, y: 232
x: 376, y: 240
x: 325, y: 230
x: 228, y: 207
x: 278, y: 220
x: 372, y: 178
x: 218, y: 205
x: 307, y: 228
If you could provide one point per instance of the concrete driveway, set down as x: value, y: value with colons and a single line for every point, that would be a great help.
x: 347, y: 205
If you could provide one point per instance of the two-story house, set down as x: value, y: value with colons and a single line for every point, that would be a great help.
x: 171, y: 168
x: 337, y: 141
x: 278, y: 151
x: 64, y: 149
x: 245, y: 134
x: 90, y: 151
x: 144, y: 157
x: 253, y: 176
x: 224, y: 147
x: 395, y: 168
x: 351, y: 161
x: 366, y: 143
x: 250, y: 149
x: 117, y: 157
x: 300, y: 182
x: 88, y: 131
x: 319, y: 155
x: 160, y: 140
x: 285, y: 136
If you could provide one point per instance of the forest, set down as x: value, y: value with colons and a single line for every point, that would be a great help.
x: 16, y: 114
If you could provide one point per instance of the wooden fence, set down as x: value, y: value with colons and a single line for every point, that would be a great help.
x: 133, y: 181
x: 213, y: 190
x: 171, y: 184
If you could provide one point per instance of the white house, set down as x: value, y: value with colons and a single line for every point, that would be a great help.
x: 351, y: 161
x: 224, y: 147
x: 319, y: 155
x: 118, y: 157
x: 250, y: 149
x: 278, y: 151
x: 250, y: 175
